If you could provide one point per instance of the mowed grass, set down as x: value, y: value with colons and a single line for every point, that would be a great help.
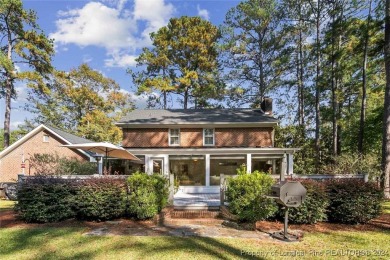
x: 386, y: 207
x: 6, y: 204
x: 41, y: 242
x: 70, y: 243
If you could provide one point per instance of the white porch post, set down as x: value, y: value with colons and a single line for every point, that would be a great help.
x: 283, y: 167
x: 290, y: 164
x: 148, y: 164
x: 249, y: 163
x: 273, y: 166
x: 100, y: 167
x: 207, y: 158
x: 166, y: 165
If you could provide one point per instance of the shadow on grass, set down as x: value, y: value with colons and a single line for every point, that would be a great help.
x: 63, y: 242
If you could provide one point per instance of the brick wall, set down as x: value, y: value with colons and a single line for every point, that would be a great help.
x: 193, y: 137
x: 245, y: 137
x: 10, y: 164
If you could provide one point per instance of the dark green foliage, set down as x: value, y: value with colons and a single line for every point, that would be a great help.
x: 100, y: 199
x: 148, y: 194
x: 45, y: 164
x: 314, y: 207
x: 247, y: 199
x: 45, y: 200
x: 353, y: 201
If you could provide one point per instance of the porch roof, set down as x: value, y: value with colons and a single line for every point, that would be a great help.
x: 219, y: 151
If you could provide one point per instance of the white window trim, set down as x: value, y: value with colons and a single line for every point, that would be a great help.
x: 169, y: 136
x: 47, y: 137
x: 204, y: 137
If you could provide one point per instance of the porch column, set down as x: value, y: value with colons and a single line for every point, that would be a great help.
x: 249, y: 163
x: 283, y: 167
x: 166, y: 165
x: 273, y: 166
x: 148, y: 164
x: 207, y: 158
x: 100, y: 167
x: 290, y: 164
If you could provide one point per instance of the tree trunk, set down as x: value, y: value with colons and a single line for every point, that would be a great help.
x: 334, y: 89
x: 185, y: 101
x: 7, y: 117
x: 165, y: 99
x: 318, y: 92
x: 301, y: 99
x: 385, y: 180
x: 364, y: 85
x: 8, y: 92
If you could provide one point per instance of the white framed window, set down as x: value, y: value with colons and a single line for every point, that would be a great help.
x: 208, y: 136
x: 174, y: 137
x: 46, y: 138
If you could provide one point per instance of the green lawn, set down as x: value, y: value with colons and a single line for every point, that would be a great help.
x: 386, y: 207
x: 6, y: 204
x: 69, y: 243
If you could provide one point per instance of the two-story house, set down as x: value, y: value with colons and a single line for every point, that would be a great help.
x: 198, y: 145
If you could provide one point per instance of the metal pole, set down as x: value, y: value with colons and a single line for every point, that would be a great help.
x: 285, y: 221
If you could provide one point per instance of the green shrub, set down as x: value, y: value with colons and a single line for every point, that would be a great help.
x: 148, y: 194
x: 161, y: 188
x: 100, y: 199
x: 352, y: 201
x: 247, y: 199
x: 45, y: 199
x: 314, y: 207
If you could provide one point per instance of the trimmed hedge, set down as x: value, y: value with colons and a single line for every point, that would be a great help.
x: 44, y: 199
x: 353, y: 201
x: 148, y: 194
x: 247, y: 199
x: 100, y: 199
x: 52, y: 199
x: 314, y: 207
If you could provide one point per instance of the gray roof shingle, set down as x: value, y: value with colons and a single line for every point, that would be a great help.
x: 73, y: 139
x: 196, y: 116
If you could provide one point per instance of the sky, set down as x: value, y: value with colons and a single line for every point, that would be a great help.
x: 107, y: 35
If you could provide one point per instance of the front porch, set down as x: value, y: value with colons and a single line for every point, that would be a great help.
x: 200, y: 169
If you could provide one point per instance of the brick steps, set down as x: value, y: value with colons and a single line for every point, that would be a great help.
x: 194, y: 214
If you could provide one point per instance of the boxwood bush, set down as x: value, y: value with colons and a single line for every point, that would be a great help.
x: 100, y: 199
x: 247, y: 199
x: 148, y: 194
x: 314, y: 207
x: 45, y: 199
x: 352, y: 201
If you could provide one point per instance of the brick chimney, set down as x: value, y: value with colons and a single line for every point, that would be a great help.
x: 266, y: 105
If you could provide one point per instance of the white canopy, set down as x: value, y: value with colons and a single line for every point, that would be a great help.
x: 106, y: 149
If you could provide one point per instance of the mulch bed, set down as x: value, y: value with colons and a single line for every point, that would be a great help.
x: 379, y: 224
x: 9, y: 219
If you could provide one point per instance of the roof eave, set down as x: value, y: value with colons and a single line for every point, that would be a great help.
x: 196, y: 125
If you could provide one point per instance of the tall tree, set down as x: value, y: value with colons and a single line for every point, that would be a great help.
x: 183, y: 60
x: 363, y: 107
x: 23, y: 43
x: 255, y: 53
x: 83, y: 102
x: 386, y: 117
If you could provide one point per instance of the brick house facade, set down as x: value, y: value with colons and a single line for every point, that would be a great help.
x: 198, y: 145
x: 41, y: 140
x: 193, y: 137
